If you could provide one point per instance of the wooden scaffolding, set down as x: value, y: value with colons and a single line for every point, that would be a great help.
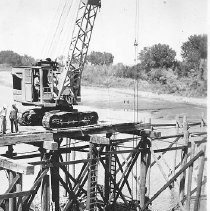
x: 104, y: 167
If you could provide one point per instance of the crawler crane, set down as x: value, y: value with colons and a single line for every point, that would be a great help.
x: 53, y: 91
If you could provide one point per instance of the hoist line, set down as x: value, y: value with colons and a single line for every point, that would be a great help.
x: 136, y: 52
x: 47, y: 40
x: 70, y: 27
x: 60, y: 34
x: 54, y: 35
x: 57, y: 28
x: 136, y: 118
x: 65, y: 23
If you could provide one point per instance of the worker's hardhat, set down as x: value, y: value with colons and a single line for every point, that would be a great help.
x: 4, y: 106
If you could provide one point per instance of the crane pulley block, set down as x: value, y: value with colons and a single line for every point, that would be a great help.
x: 95, y: 2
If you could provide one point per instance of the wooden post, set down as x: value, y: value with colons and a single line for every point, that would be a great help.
x: 68, y: 142
x: 175, y: 155
x: 12, y: 201
x: 189, y: 184
x: 73, y: 159
x: 45, y: 189
x: 55, y: 179
x: 92, y: 180
x: 199, y: 180
x: 106, y: 178
x: 184, y: 158
x: 149, y: 168
x: 45, y: 194
x: 202, y: 122
x: 143, y: 170
x: 148, y: 174
x: 19, y: 189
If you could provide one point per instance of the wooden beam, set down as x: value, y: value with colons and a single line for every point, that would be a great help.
x: 45, y: 193
x: 16, y: 166
x: 12, y: 201
x: 143, y: 173
x: 11, y: 186
x: 16, y: 194
x: 48, y: 145
x: 173, y: 178
x: 149, y: 132
x: 11, y: 139
x: 99, y: 140
x: 55, y: 189
x: 19, y: 189
x: 184, y: 157
x: 98, y: 129
x: 199, y: 180
x: 190, y: 174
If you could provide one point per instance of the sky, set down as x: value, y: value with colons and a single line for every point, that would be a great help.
x: 27, y: 25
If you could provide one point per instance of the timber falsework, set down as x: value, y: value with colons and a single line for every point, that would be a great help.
x: 111, y: 171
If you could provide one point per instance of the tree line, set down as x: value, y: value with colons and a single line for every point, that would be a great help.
x: 14, y: 59
x: 193, y: 52
x: 157, y: 64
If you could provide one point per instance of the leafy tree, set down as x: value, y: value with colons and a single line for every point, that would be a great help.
x: 10, y: 57
x: 99, y: 58
x: 27, y: 60
x: 157, y: 56
x: 194, y: 51
x: 195, y: 48
x: 14, y: 59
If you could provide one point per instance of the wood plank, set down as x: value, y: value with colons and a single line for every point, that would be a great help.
x: 11, y: 139
x: 99, y: 140
x: 16, y: 194
x: 173, y: 178
x: 16, y: 166
x: 11, y: 186
x: 48, y: 145
x: 98, y: 129
x: 150, y: 133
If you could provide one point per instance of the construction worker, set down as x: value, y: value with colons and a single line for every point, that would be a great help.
x: 3, y: 114
x: 13, y: 118
x: 36, y: 87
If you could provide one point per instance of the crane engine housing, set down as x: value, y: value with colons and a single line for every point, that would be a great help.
x: 37, y: 86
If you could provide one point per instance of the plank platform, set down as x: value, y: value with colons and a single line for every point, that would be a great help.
x: 16, y: 166
x: 12, y: 139
x: 41, y: 135
x: 98, y: 129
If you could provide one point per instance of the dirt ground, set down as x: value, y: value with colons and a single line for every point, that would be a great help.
x: 161, y: 107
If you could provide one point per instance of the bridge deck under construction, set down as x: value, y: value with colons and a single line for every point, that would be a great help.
x: 113, y: 171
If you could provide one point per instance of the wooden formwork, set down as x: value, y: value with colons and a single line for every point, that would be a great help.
x: 101, y: 167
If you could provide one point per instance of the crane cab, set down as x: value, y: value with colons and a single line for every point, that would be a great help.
x: 35, y: 85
